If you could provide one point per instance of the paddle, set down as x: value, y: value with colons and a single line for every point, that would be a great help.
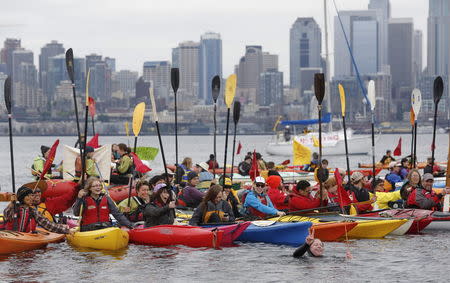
x: 70, y: 71
x: 372, y: 101
x: 215, y: 94
x: 138, y: 118
x: 175, y: 81
x: 230, y: 92
x: 342, y: 97
x: 127, y: 131
x: 319, y: 91
x: 92, y: 113
x: 416, y: 102
x: 7, y: 89
x: 236, y: 115
x: 155, y: 118
x: 438, y: 88
x: 86, y: 111
x: 411, y: 121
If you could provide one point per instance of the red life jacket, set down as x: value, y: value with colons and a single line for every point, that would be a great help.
x: 255, y: 212
x: 180, y: 199
x: 93, y: 213
x: 411, y: 202
x: 359, y: 207
x: 333, y: 198
x: 22, y: 222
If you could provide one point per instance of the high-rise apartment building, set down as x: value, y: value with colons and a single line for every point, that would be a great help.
x: 49, y: 50
x: 438, y: 47
x: 189, y: 68
x: 210, y: 64
x: 417, y: 53
x: 158, y: 72
x: 6, y: 54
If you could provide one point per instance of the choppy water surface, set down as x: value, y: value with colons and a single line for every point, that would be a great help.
x: 406, y: 258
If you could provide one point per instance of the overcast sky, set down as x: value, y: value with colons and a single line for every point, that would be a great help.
x: 134, y: 31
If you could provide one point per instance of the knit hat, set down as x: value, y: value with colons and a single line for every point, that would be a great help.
x: 44, y: 149
x: 192, y: 175
x: 89, y: 149
x: 273, y: 181
x: 158, y: 187
x: 356, y: 176
x: 22, y: 192
x: 303, y: 184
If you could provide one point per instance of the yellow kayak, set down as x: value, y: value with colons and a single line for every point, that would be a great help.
x: 366, y: 229
x: 104, y: 239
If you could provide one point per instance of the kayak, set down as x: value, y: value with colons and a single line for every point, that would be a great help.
x: 171, y: 235
x: 104, y: 239
x: 230, y: 232
x: 330, y: 232
x: 5, y: 196
x: 119, y: 193
x: 292, y: 234
x: 59, y: 187
x: 422, y: 218
x: 15, y: 242
x: 420, y: 165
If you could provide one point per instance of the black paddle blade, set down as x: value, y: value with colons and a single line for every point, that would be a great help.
x: 69, y: 64
x: 319, y: 86
x: 8, y: 94
x: 438, y: 89
x: 236, y: 111
x: 175, y: 78
x: 215, y: 88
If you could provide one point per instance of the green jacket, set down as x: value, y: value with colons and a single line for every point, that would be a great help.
x: 124, y: 165
x: 38, y: 167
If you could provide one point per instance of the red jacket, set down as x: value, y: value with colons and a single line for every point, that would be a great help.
x: 278, y: 198
x: 421, y: 198
x: 359, y: 207
x: 299, y: 202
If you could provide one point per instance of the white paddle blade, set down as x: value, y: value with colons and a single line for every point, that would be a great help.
x: 152, y: 99
x: 416, y: 102
x: 371, y: 94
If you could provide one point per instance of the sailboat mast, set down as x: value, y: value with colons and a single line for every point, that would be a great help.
x: 327, y: 65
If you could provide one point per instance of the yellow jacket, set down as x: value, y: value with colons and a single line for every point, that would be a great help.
x: 383, y: 198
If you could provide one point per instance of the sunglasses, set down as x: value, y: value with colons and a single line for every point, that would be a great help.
x: 260, y: 185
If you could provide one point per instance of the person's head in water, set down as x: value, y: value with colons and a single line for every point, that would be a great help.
x: 316, y: 248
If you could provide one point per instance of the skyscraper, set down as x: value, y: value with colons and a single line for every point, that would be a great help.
x: 270, y: 62
x: 158, y: 72
x: 210, y: 64
x: 27, y: 94
x: 438, y: 37
x: 49, y: 50
x: 91, y: 60
x: 383, y: 8
x: 20, y: 56
x: 271, y: 89
x: 127, y: 82
x: 111, y: 62
x: 189, y: 68
x: 176, y: 57
x: 417, y: 54
x: 6, y: 54
x: 305, y: 48
x: 101, y: 82
x: 57, y: 72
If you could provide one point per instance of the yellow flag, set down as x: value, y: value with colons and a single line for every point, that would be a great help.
x: 302, y: 154
x: 315, y: 141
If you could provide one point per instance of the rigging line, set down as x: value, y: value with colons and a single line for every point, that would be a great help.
x: 351, y: 56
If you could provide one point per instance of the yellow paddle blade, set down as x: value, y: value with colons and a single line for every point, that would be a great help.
x: 230, y: 90
x: 127, y: 129
x: 276, y: 123
x: 138, y: 118
x: 342, y: 95
x: 315, y: 141
x: 87, y: 86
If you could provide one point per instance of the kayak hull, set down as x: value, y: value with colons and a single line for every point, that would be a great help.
x: 104, y: 239
x: 374, y: 229
x: 330, y: 232
x: 292, y: 234
x: 230, y: 232
x: 15, y: 242
x: 170, y: 235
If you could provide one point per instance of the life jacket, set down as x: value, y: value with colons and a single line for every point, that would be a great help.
x: 184, y: 178
x: 42, y: 208
x: 332, y: 198
x: 252, y: 211
x: 34, y: 172
x: 180, y: 199
x: 22, y: 221
x: 412, y: 203
x: 93, y: 213
x: 138, y: 214
x: 214, y: 210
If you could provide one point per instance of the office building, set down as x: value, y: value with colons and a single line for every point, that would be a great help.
x: 210, y: 64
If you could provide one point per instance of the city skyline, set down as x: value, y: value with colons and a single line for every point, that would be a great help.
x: 39, y: 23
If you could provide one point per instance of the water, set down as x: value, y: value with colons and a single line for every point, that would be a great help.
x: 416, y: 257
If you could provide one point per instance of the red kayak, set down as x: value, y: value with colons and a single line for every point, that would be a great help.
x: 231, y: 232
x: 171, y: 235
x: 422, y: 217
x: 58, y: 187
x: 119, y: 193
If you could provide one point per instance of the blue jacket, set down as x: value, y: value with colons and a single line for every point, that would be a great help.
x: 252, y: 200
x: 393, y: 178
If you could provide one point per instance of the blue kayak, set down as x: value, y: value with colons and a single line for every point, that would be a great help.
x: 280, y: 233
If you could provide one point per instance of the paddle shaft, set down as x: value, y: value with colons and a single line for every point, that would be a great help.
x: 84, y: 156
x: 162, y: 154
x: 415, y: 144
x: 215, y: 142
x: 412, y: 147
x: 320, y: 151
x: 232, y: 155
x: 346, y: 147
x: 130, y: 187
x: 93, y: 128
x: 79, y: 131
x: 373, y: 150
x: 13, y: 181
x: 447, y: 179
x: 135, y: 144
x: 433, y: 145
x: 226, y: 144
x: 176, y: 135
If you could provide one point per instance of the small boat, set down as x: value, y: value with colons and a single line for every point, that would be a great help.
x: 15, y: 242
x: 5, y: 196
x: 230, y: 232
x: 112, y: 239
x: 171, y: 235
x: 59, y: 187
x: 119, y: 193
x: 292, y: 234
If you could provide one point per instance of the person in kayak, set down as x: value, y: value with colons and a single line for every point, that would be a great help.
x: 124, y: 167
x: 387, y: 158
x: 134, y: 209
x: 412, y: 181
x: 212, y: 162
x: 313, y: 247
x: 386, y: 200
x: 190, y: 196
x: 358, y: 193
x: 25, y: 218
x: 182, y: 171
x: 94, y: 207
x: 257, y: 203
x: 230, y: 196
x: 404, y: 168
x: 423, y: 196
x: 393, y: 176
x: 90, y: 167
x: 245, y: 166
x: 212, y: 209
x: 39, y: 162
x: 205, y: 177
x: 277, y: 193
x: 161, y: 209
x: 301, y: 197
x: 331, y: 187
x: 433, y: 169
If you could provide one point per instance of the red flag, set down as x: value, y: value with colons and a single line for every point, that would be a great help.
x: 50, y: 158
x: 239, y: 148
x: 93, y: 142
x: 139, y: 166
x: 91, y: 107
x: 343, y: 197
x: 398, y: 149
x: 254, y: 172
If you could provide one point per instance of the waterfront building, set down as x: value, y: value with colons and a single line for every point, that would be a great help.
x: 49, y: 50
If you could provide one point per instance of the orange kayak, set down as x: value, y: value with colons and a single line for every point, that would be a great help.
x: 5, y: 196
x: 330, y: 232
x: 15, y: 242
x: 420, y: 165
